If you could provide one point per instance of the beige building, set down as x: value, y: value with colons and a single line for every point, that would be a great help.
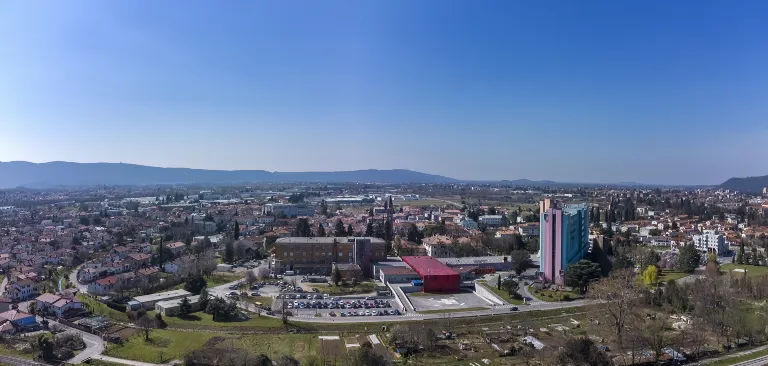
x: 317, y: 255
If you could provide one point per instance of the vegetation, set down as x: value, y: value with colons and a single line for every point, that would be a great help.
x: 503, y: 294
x: 579, y: 274
x: 554, y: 295
x: 163, y: 346
x: 358, y: 288
x: 98, y: 308
x: 751, y: 271
x: 199, y: 320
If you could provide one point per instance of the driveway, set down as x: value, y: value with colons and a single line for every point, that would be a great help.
x: 93, y: 345
x: 129, y: 362
x: 73, y: 278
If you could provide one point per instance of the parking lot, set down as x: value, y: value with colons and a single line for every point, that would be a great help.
x: 300, y: 302
x: 448, y: 301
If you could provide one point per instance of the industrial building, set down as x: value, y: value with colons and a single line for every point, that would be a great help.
x: 437, y: 277
x: 171, y: 307
x: 148, y: 301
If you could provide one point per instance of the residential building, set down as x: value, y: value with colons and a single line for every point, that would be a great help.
x: 17, y: 319
x: 316, y: 255
x: 529, y: 229
x: 58, y: 305
x: 564, y: 238
x: 492, y: 220
x: 176, y: 248
x: 468, y: 224
x: 103, y: 286
x: 438, y: 246
x: 711, y: 241
x: 22, y: 289
x: 288, y: 209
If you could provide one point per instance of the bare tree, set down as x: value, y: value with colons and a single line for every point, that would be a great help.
x: 146, y: 323
x: 250, y: 277
x: 262, y: 273
x: 616, y: 297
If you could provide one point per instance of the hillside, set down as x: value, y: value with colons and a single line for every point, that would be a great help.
x: 26, y: 174
x: 748, y: 184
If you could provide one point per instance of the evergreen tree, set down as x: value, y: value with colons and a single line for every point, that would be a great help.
x: 336, y: 275
x: 237, y: 230
x: 338, y: 229
x: 350, y: 230
x: 229, y: 252
x: 369, y: 229
x: 688, y: 259
x: 184, y: 306
x: 320, y: 229
x: 740, y: 258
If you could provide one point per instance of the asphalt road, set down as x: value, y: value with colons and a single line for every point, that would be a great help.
x: 19, y: 361
x: 73, y: 278
x: 93, y: 345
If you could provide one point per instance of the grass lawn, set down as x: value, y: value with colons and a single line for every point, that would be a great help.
x: 666, y: 275
x: 163, y: 346
x: 102, y: 309
x: 752, y: 271
x: 218, y: 279
x: 360, y: 288
x: 552, y: 295
x: 203, y: 320
x: 300, y: 346
x: 264, y: 300
x: 441, y: 311
x: 14, y: 353
x: 502, y: 294
x: 737, y: 359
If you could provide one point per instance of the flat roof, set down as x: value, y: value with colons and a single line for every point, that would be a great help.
x: 162, y: 296
x: 424, y: 265
x: 176, y: 302
x: 324, y: 240
x: 397, y: 270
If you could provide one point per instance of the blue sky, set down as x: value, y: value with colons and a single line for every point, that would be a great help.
x: 579, y: 91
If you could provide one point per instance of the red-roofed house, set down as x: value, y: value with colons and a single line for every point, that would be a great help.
x: 138, y: 260
x: 57, y: 305
x: 103, y: 286
x: 176, y: 247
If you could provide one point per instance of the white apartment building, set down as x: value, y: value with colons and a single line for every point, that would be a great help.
x: 529, y: 229
x: 438, y: 250
x: 710, y: 241
x: 288, y: 209
x: 490, y: 220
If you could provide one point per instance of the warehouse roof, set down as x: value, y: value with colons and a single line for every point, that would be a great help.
x: 396, y: 270
x: 162, y: 296
x: 428, y: 266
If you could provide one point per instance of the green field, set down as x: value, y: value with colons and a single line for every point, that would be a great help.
x: 202, y: 320
x: 737, y: 359
x: 502, y: 294
x: 163, y: 346
x: 442, y: 311
x: 752, y: 271
x: 102, y: 309
x: 167, y: 345
x: 219, y: 279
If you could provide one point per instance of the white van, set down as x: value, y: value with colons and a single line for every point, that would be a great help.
x: 289, y: 273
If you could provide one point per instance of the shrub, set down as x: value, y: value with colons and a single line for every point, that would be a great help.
x: 116, y: 306
x: 566, y: 297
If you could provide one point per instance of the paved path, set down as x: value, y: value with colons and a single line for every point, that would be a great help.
x: 753, y: 350
x: 129, y: 362
x: 73, y: 278
x: 94, y: 345
x: 3, y: 284
x: 756, y: 362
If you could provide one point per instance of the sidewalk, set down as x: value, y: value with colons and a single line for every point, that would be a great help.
x: 134, y: 363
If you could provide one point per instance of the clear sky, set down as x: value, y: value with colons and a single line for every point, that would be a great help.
x: 571, y: 90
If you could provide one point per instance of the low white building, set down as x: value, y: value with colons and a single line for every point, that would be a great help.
x: 529, y: 229
x: 171, y: 307
x: 711, y: 241
x: 148, y: 301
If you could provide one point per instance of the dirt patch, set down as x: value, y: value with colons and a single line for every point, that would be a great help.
x: 213, y: 342
x: 330, y: 348
x: 122, y: 331
x: 299, y: 349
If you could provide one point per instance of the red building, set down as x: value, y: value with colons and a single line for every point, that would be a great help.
x: 437, y: 277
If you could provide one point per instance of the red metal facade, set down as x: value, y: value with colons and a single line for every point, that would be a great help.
x: 437, y: 276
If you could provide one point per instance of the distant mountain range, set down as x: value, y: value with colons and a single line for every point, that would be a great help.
x: 58, y: 173
x: 747, y: 184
